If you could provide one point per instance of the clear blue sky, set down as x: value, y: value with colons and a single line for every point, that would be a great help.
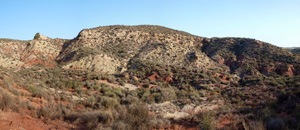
x: 273, y: 21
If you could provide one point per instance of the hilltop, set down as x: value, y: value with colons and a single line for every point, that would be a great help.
x: 149, y: 77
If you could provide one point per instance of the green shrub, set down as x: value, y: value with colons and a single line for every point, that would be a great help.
x: 168, y: 94
x: 207, y: 120
x: 146, y: 96
x: 110, y: 102
x: 111, y: 79
x: 37, y: 36
x: 38, y: 92
x: 31, y: 89
x: 90, y: 102
x: 118, y: 91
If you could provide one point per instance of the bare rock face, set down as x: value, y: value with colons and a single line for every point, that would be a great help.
x: 42, y: 37
x: 16, y: 53
x: 41, y: 52
x: 10, y: 53
x: 176, y: 54
x: 8, y: 62
x: 99, y: 63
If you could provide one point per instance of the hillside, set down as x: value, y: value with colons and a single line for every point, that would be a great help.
x: 295, y: 50
x: 148, y: 77
x: 116, y: 46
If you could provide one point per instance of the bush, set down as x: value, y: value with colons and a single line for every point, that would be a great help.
x: 254, y: 125
x: 6, y: 102
x: 7, y: 82
x: 137, y: 116
x: 110, y: 103
x: 90, y: 120
x: 168, y: 94
x: 52, y: 111
x: 207, y: 120
x: 38, y: 92
x: 120, y: 125
x: 37, y: 36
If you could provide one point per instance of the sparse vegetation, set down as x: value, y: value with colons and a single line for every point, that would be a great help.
x: 255, y: 86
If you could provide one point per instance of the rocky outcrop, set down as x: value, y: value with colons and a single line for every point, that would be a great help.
x: 10, y: 53
x: 99, y: 63
x: 42, y: 37
x: 41, y: 52
x: 16, y: 54
x: 172, y: 110
x: 176, y: 54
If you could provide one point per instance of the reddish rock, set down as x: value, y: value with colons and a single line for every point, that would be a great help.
x: 266, y: 70
x: 168, y: 79
x: 286, y: 69
x: 153, y: 76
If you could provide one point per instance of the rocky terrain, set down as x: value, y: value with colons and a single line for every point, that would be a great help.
x: 148, y: 77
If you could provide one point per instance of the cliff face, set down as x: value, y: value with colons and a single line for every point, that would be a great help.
x: 114, y: 49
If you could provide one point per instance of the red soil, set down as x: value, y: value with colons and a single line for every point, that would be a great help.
x: 14, y: 121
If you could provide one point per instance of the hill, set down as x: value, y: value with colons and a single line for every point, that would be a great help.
x: 294, y: 50
x: 148, y: 77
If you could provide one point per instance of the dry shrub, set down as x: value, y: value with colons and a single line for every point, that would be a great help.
x: 120, y: 125
x: 7, y: 102
x: 137, y: 116
x: 52, y: 111
x: 91, y: 120
x: 7, y: 82
x: 207, y: 120
x: 253, y: 125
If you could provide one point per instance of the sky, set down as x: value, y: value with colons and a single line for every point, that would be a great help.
x: 273, y: 21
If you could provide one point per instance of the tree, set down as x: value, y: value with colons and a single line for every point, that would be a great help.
x: 37, y: 36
